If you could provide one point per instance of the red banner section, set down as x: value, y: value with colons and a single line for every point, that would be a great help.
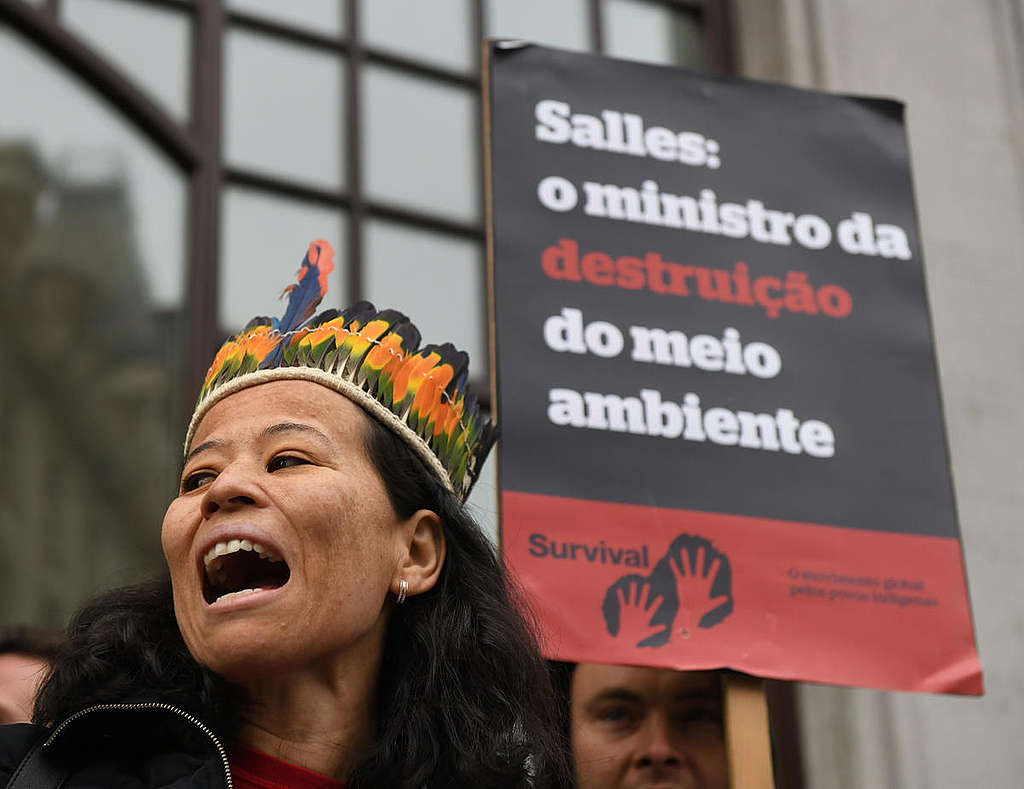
x: 624, y: 583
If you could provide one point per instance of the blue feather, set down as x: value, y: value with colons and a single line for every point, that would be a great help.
x: 306, y: 294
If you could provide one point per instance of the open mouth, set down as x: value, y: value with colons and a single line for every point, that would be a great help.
x: 238, y: 567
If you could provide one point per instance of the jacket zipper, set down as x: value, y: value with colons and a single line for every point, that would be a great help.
x: 151, y: 705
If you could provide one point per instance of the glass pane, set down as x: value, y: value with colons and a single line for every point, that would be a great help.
x: 263, y: 240
x: 326, y: 17
x: 152, y: 45
x: 439, y: 31
x: 282, y: 109
x: 645, y: 31
x: 435, y: 279
x: 483, y: 499
x: 561, y: 24
x: 421, y: 146
x: 92, y: 337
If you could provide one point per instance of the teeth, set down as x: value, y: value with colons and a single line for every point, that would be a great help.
x: 239, y: 593
x: 233, y: 546
x: 267, y: 553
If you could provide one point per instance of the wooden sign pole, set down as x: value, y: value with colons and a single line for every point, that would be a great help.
x: 747, y: 734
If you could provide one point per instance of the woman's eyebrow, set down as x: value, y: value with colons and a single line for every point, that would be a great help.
x: 294, y: 427
x: 212, y: 444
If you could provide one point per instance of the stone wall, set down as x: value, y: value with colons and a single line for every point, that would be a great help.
x: 958, y: 64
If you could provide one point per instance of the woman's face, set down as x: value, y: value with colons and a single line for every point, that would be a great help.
x: 278, y: 481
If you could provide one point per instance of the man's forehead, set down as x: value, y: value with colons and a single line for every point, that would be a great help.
x: 594, y: 679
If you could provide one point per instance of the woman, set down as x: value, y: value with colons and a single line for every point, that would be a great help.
x: 332, y: 615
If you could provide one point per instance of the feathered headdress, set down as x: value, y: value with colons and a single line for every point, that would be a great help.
x: 370, y: 357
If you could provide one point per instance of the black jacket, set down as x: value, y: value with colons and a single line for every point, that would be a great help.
x: 145, y: 745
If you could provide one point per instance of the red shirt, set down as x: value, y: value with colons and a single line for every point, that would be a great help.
x: 253, y: 769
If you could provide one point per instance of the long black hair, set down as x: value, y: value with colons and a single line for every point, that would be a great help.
x: 125, y: 645
x: 464, y: 698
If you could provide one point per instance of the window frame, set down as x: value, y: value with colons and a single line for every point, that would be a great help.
x: 198, y: 148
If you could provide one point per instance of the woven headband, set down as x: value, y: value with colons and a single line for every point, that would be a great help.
x: 373, y: 358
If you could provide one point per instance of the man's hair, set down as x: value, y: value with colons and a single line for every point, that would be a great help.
x: 30, y: 640
x: 463, y: 697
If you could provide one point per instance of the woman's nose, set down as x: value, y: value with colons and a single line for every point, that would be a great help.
x: 232, y: 488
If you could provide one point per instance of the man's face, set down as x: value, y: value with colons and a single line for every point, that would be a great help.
x: 644, y: 727
x: 20, y: 676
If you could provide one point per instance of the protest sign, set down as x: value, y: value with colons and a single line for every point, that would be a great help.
x: 722, y: 440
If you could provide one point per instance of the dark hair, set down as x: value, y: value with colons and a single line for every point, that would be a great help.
x: 32, y: 641
x: 463, y: 700
x: 562, y: 673
x: 125, y: 644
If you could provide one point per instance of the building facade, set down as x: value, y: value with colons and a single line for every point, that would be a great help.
x: 959, y: 66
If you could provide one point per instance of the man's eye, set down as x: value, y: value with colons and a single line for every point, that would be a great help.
x: 616, y: 716
x: 196, y: 480
x: 701, y: 716
x: 286, y: 461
